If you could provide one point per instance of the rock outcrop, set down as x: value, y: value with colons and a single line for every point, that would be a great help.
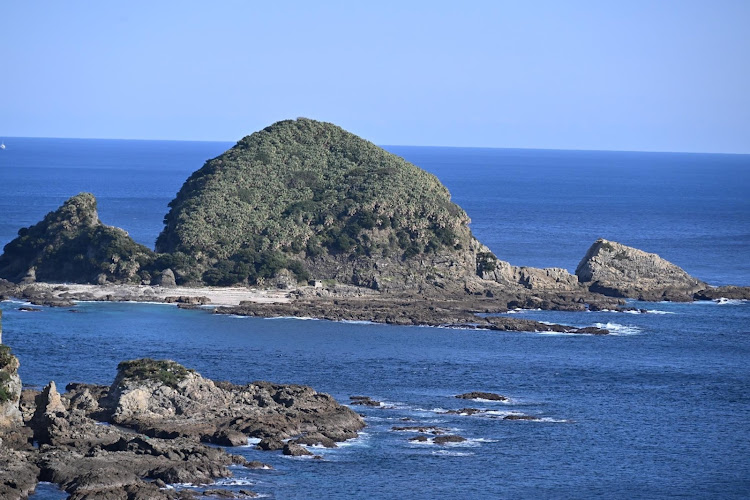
x: 10, y: 387
x: 164, y: 399
x: 490, y: 396
x: 72, y: 245
x: 414, y: 311
x: 133, y: 438
x: 617, y: 270
x: 724, y: 292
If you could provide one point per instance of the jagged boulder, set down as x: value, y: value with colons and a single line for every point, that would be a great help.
x: 617, y: 270
x: 167, y: 279
x: 72, y: 245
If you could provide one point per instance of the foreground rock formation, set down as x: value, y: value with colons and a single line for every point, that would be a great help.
x: 146, y: 430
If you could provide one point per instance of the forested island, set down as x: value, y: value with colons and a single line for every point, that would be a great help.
x: 303, y: 202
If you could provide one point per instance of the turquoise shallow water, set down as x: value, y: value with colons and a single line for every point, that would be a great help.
x: 657, y: 411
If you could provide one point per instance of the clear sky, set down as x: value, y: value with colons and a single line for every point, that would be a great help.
x: 652, y: 75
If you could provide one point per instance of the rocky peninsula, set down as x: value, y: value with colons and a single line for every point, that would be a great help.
x: 150, y: 428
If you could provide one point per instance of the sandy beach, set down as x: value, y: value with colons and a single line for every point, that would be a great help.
x: 218, y: 296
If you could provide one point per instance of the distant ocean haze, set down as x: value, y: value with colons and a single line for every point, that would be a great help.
x: 540, y: 208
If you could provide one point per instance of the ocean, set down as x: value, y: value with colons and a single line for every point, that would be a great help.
x: 660, y: 409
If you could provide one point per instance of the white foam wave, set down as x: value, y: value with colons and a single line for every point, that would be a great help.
x: 18, y: 302
x: 482, y: 400
x: 618, y: 329
x: 428, y: 442
x: 557, y: 334
x: 519, y: 310
x: 301, y: 318
x: 251, y: 442
x: 174, y: 486
x: 452, y: 453
x: 723, y: 301
x: 498, y: 413
x: 234, y: 481
x: 358, y: 322
x: 636, y: 311
x: 375, y: 418
x: 453, y: 327
x: 360, y: 440
x: 302, y: 457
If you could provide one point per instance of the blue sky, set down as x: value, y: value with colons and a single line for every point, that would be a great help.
x: 623, y: 75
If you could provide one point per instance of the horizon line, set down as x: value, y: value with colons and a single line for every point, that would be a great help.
x: 571, y: 149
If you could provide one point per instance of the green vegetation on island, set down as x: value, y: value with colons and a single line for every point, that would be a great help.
x: 298, y: 200
x: 71, y: 245
x: 167, y: 372
x: 8, y: 366
x: 312, y: 198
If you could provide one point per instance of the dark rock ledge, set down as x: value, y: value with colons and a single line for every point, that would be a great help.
x: 147, y: 430
x: 404, y: 311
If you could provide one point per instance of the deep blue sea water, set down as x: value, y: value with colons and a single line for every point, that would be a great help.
x: 659, y: 410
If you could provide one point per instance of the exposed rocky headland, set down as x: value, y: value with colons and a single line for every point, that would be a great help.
x: 148, y: 429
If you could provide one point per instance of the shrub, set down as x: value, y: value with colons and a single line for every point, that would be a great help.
x: 486, y: 262
x: 167, y: 372
x: 5, y: 356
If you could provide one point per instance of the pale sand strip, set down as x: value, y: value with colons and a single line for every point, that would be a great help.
x: 219, y: 296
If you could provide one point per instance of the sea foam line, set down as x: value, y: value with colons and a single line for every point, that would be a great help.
x: 618, y: 329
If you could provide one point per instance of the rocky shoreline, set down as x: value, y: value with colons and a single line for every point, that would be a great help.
x: 152, y: 427
x: 477, y: 310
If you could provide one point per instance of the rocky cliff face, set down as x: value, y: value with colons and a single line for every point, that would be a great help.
x: 617, y: 270
x: 72, y: 245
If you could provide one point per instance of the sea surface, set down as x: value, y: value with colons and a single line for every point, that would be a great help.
x: 660, y: 409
